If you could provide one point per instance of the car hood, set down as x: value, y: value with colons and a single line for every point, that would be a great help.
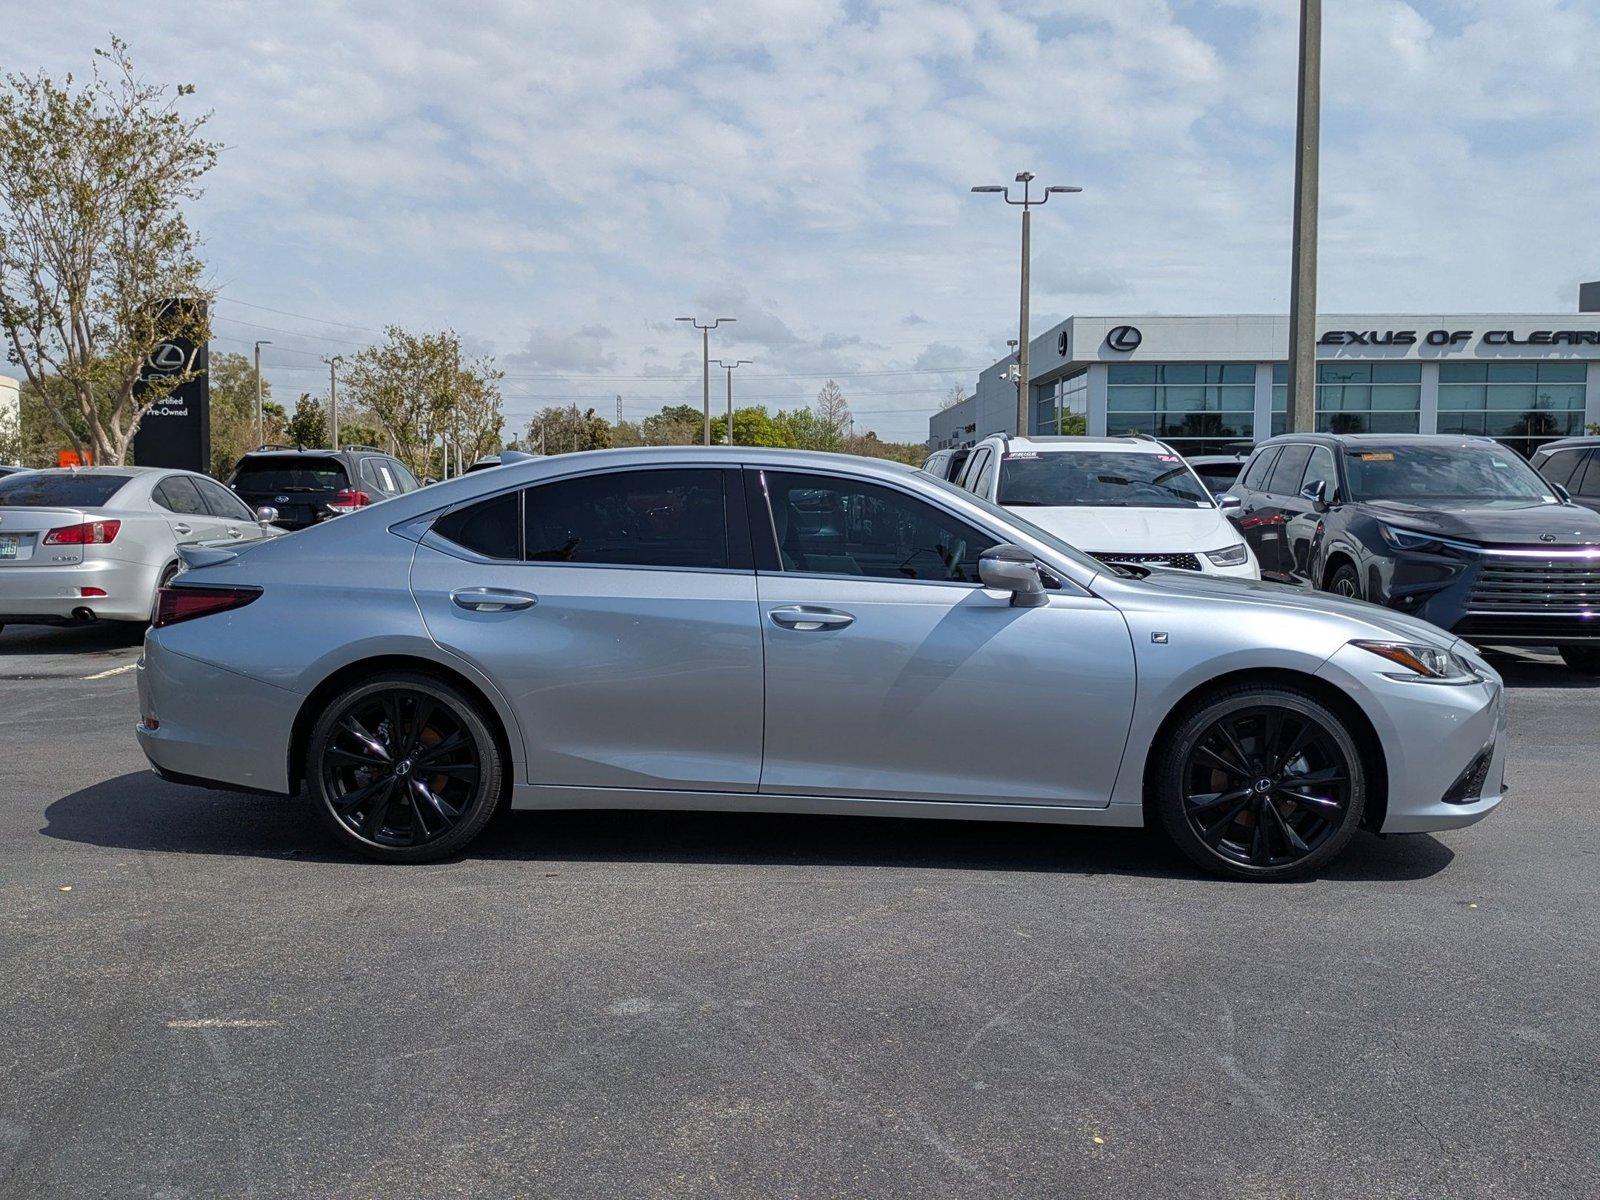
x: 1531, y: 522
x: 1382, y: 622
x: 1141, y: 530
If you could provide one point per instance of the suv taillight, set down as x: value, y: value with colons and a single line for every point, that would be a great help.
x: 90, y: 533
x: 349, y: 500
x: 174, y: 604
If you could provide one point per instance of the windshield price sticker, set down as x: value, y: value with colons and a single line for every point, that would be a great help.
x: 1020, y: 454
x: 1166, y: 458
x: 1378, y: 456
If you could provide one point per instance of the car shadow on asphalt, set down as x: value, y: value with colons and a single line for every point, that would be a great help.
x: 139, y: 811
x: 99, y: 637
x: 1537, y: 669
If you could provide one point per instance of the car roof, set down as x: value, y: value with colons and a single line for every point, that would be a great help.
x: 1069, y: 443
x: 1569, y: 443
x: 1375, y: 439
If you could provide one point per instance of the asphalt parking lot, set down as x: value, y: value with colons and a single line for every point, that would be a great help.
x: 202, y: 999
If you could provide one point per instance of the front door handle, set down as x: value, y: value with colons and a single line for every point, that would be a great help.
x: 488, y: 599
x: 184, y: 529
x: 805, y: 618
x: 233, y: 531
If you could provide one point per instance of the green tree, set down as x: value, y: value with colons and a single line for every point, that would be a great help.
x: 233, y: 411
x: 563, y: 430
x: 674, y: 425
x: 309, y: 425
x: 94, y: 245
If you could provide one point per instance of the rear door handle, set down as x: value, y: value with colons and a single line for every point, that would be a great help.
x: 488, y: 599
x: 806, y: 618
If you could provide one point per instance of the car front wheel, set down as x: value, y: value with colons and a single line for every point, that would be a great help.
x: 404, y: 768
x: 1261, y: 782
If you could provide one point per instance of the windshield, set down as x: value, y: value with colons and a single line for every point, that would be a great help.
x: 1099, y: 479
x: 1451, y: 471
x: 40, y: 488
x: 290, y: 475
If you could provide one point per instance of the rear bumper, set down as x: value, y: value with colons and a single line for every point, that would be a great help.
x: 55, y: 594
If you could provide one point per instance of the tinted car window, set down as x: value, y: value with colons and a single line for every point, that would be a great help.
x: 221, y: 502
x: 1255, y: 476
x: 1218, y: 477
x: 79, y: 491
x: 1100, y: 479
x: 669, y: 518
x: 178, y: 494
x: 297, y: 474
x: 1563, y: 466
x: 491, y: 527
x: 985, y: 476
x: 974, y: 468
x: 827, y: 525
x: 1586, y: 483
x: 1321, y: 467
x: 408, y: 481
x: 1286, y: 474
x: 1460, y: 471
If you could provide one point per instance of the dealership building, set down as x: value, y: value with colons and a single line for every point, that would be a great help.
x: 1206, y: 383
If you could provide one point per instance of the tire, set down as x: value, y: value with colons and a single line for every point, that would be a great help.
x: 1346, y: 581
x: 388, y: 792
x: 1583, y: 659
x: 1230, y: 797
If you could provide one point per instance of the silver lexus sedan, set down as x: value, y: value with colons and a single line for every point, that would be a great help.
x: 762, y: 630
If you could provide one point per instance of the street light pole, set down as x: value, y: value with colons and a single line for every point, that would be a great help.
x: 261, y: 420
x: 705, y: 362
x: 1027, y: 203
x: 1303, y: 268
x: 729, y: 368
x: 333, y: 397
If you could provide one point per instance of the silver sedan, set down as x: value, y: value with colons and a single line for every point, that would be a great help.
x: 94, y: 543
x: 753, y: 630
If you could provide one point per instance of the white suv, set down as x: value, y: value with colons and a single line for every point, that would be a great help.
x: 1121, y: 499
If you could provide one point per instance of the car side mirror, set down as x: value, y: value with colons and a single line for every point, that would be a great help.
x: 1228, y: 500
x: 1561, y: 493
x: 266, y: 514
x: 428, y: 481
x: 1009, y: 568
x: 1317, y: 492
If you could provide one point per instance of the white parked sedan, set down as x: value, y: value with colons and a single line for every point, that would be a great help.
x: 80, y: 545
x: 1128, y: 500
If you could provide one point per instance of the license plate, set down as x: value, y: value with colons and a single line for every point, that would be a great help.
x: 8, y: 545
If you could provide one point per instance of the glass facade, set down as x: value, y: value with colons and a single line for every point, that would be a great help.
x: 1062, y: 406
x: 1357, y: 397
x: 1199, y: 407
x: 1520, y: 403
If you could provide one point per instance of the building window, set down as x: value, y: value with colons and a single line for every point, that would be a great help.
x: 1522, y: 404
x: 1357, y: 397
x: 1062, y: 406
x: 1201, y: 408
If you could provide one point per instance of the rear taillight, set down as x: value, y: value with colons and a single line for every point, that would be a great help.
x: 174, y: 604
x: 349, y: 500
x: 90, y: 533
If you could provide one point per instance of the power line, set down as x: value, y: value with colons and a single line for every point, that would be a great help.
x: 283, y: 312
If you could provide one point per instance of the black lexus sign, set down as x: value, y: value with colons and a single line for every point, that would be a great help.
x: 176, y: 432
x: 1459, y: 337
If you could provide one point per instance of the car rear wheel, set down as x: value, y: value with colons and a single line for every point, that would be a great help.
x: 1585, y: 659
x: 1261, y: 782
x: 1345, y: 581
x: 404, y: 768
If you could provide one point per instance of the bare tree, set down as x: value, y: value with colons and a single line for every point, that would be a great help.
x: 957, y: 395
x: 94, y: 246
x: 833, y: 412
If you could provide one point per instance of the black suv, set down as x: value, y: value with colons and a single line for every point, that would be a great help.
x: 1572, y: 464
x: 308, y: 486
x: 1459, y: 531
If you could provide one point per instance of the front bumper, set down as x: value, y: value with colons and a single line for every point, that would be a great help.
x: 1499, y: 596
x: 1431, y: 733
x: 45, y: 594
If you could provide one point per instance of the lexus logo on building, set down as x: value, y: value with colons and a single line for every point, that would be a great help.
x: 169, y: 358
x: 1061, y: 343
x: 1124, y: 338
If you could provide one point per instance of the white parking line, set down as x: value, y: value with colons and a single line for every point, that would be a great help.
x: 220, y: 1023
x: 113, y: 671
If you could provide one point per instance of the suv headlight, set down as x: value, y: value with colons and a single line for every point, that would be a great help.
x: 1406, y: 539
x: 1229, y: 556
x: 1422, y: 663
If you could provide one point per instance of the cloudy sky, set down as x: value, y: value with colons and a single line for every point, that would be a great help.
x: 558, y: 180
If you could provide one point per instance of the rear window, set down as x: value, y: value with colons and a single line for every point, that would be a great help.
x: 76, y: 491
x: 291, y: 475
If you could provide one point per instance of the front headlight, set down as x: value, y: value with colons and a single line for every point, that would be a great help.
x: 1229, y: 556
x: 1422, y: 663
x: 1406, y: 539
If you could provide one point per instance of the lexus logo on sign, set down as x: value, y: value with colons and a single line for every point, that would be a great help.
x: 168, y: 359
x: 1061, y: 343
x: 1124, y: 338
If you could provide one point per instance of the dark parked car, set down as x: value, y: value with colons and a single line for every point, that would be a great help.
x: 1573, y: 464
x: 947, y: 464
x: 1218, y: 471
x: 308, y: 486
x: 1457, y: 530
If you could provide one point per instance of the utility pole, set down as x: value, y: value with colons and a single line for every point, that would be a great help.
x: 1303, y: 268
x: 333, y: 397
x: 261, y: 417
x: 1027, y: 203
x: 705, y: 362
x: 729, y: 368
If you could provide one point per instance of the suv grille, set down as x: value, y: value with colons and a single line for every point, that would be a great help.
x: 1181, y: 562
x: 1540, y: 586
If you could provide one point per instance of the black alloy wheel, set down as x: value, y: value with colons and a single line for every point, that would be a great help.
x: 1262, y: 783
x: 404, y: 769
x: 1346, y: 581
